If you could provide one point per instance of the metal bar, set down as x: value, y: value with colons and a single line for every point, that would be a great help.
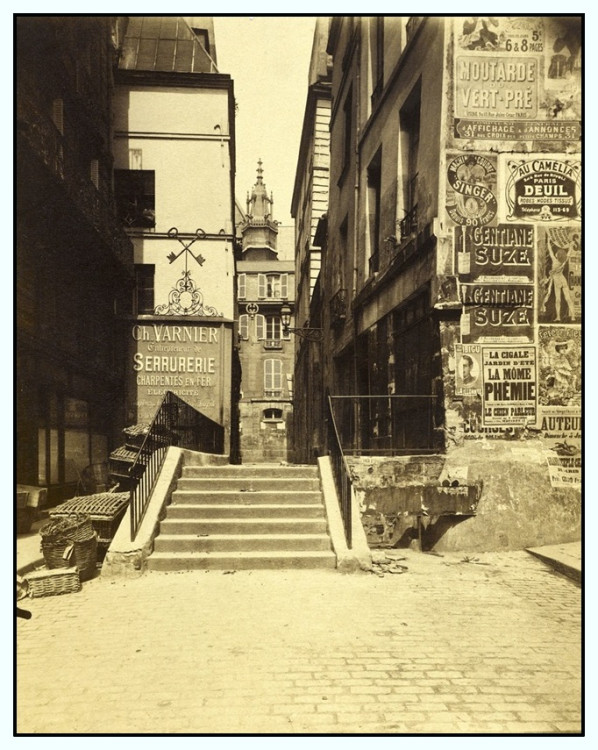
x: 171, y: 425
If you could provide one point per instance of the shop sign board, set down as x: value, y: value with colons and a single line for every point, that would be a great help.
x: 561, y: 432
x: 543, y: 189
x: 509, y: 394
x: 186, y: 359
x: 506, y: 251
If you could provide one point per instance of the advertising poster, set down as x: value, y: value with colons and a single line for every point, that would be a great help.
x: 561, y: 432
x: 561, y: 100
x: 468, y: 370
x: 506, y: 251
x: 559, y: 381
x: 509, y: 385
x: 471, y: 190
x: 497, y: 312
x: 559, y: 274
x: 543, y: 188
x: 186, y: 359
x: 517, y: 78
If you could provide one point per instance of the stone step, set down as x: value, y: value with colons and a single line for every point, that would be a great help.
x: 241, y: 542
x: 236, y: 510
x: 228, y: 497
x: 253, y: 470
x: 258, y: 525
x: 248, y: 484
x: 273, y: 560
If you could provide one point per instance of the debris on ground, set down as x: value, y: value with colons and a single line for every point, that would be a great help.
x: 475, y: 560
x: 383, y: 563
x: 468, y: 559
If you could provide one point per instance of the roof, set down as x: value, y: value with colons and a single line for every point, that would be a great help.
x: 165, y: 44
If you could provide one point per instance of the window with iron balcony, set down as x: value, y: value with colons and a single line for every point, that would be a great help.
x: 338, y: 306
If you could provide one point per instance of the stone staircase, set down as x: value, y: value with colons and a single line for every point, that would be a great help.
x: 243, y: 517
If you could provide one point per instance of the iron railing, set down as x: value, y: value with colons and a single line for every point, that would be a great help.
x: 175, y: 423
x: 341, y: 474
x: 385, y: 425
x: 408, y: 224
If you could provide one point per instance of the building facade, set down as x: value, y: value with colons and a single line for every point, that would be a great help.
x: 309, y: 205
x: 174, y: 165
x: 454, y: 224
x: 264, y: 285
x: 74, y: 263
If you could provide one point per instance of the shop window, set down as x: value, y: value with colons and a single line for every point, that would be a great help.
x: 136, y: 197
x: 144, y: 289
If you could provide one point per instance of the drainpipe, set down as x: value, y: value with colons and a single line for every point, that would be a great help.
x: 357, y: 437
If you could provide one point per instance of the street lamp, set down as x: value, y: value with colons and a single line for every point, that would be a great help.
x: 311, y: 334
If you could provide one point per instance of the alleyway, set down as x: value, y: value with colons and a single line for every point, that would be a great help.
x: 452, y: 645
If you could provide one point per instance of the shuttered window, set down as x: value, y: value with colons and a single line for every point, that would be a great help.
x: 244, y: 326
x: 273, y: 375
x: 260, y: 327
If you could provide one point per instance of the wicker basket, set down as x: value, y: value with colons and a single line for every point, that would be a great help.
x: 82, y: 553
x: 105, y: 509
x: 52, y: 582
x: 68, y: 527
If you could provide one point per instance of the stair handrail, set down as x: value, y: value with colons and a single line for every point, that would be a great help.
x: 341, y: 474
x: 175, y: 422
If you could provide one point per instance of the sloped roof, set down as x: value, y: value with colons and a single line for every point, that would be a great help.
x: 165, y: 44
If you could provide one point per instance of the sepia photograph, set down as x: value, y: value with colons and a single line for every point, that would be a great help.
x: 298, y: 375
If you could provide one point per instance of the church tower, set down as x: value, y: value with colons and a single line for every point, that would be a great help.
x: 259, y: 230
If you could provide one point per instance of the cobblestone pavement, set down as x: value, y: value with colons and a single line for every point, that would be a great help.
x: 453, y: 645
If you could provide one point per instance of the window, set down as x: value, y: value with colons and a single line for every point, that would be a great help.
x: 347, y: 113
x: 241, y: 286
x: 377, y: 56
x: 410, y: 126
x: 135, y: 197
x: 202, y: 38
x: 272, y: 415
x: 144, y: 289
x: 273, y: 286
x: 272, y: 376
x: 269, y: 327
x: 374, y: 188
x: 244, y: 327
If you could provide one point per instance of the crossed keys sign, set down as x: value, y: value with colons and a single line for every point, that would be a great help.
x: 173, y: 233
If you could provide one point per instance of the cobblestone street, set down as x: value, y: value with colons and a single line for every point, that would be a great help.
x: 453, y: 645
